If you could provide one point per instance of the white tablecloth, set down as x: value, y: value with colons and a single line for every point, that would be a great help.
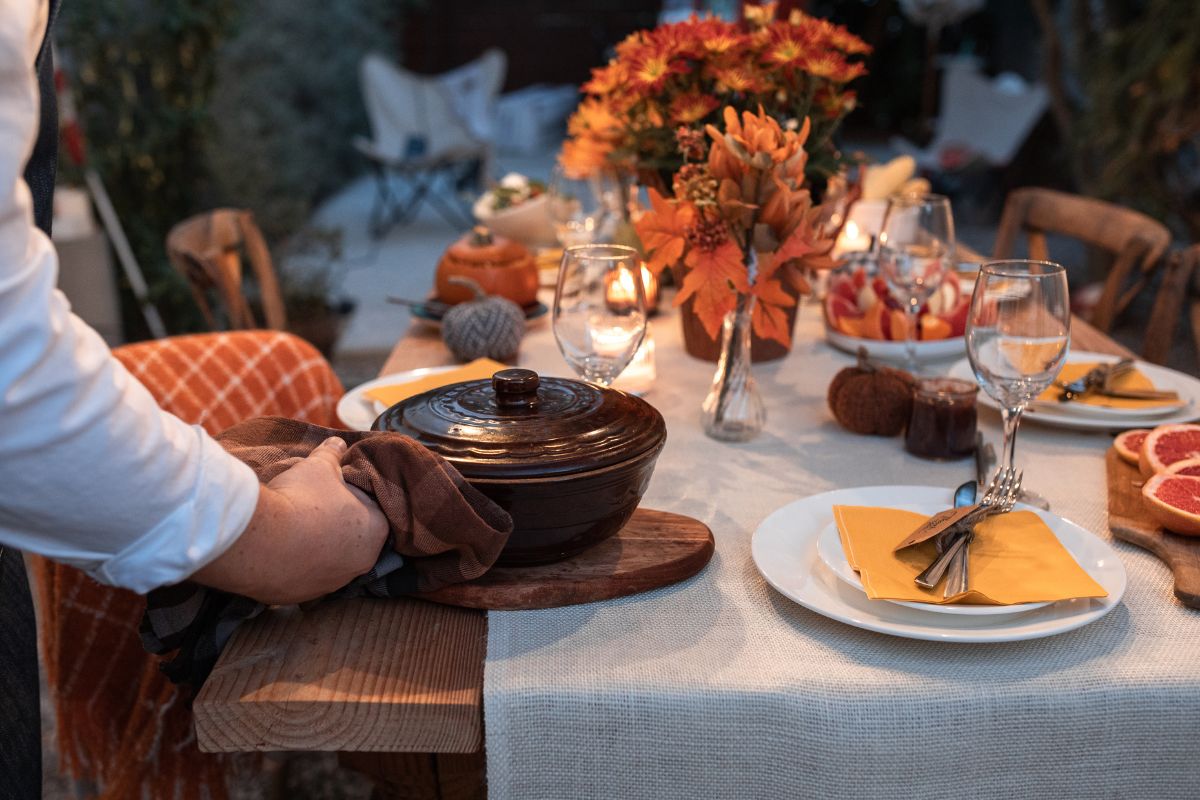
x: 722, y: 688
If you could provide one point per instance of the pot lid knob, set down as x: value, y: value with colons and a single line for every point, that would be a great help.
x: 516, y: 389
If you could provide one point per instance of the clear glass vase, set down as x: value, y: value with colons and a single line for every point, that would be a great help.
x: 734, y: 410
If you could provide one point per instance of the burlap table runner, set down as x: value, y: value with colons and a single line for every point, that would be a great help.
x: 722, y: 688
x: 443, y: 531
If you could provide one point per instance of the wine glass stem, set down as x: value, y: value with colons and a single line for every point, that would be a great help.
x: 1012, y: 420
x: 910, y: 334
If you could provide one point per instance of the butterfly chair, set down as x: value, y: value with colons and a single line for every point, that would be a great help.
x: 207, y: 250
x: 123, y: 729
x: 427, y: 131
x: 991, y: 117
x: 1135, y: 242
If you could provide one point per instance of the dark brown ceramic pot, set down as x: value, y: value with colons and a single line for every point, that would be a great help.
x: 569, y: 460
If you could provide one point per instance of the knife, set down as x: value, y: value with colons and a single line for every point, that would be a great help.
x: 1138, y: 394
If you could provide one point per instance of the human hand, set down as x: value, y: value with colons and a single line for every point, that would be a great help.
x: 311, y: 534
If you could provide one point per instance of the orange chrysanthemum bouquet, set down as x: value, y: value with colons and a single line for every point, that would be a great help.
x: 684, y: 74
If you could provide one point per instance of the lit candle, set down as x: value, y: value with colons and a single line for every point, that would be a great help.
x: 638, y: 377
x: 621, y: 291
x: 851, y: 240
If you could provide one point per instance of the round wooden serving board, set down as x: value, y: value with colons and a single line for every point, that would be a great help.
x: 1128, y: 520
x: 655, y: 548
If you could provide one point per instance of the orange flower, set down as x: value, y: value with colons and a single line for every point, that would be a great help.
x: 692, y: 107
x: 761, y: 15
x: 594, y: 118
x: 832, y: 65
x: 650, y: 70
x: 584, y: 156
x: 789, y: 47
x: 738, y: 78
x: 758, y: 141
x: 606, y: 79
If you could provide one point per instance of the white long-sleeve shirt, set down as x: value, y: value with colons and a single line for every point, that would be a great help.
x: 92, y: 472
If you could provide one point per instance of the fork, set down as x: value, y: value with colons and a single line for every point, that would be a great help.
x: 960, y: 580
x: 998, y: 492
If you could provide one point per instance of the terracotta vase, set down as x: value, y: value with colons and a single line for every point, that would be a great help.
x: 698, y: 344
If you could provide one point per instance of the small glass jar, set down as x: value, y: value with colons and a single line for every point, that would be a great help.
x: 942, y: 425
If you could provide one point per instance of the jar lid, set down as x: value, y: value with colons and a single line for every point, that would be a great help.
x: 521, y: 425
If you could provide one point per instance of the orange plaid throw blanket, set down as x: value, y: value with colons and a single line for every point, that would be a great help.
x: 122, y: 726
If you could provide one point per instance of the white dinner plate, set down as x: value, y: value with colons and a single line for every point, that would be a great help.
x: 358, y: 412
x: 936, y: 350
x: 1084, y: 417
x: 784, y: 549
x: 831, y: 553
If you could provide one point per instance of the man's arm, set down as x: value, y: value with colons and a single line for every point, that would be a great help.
x: 92, y: 472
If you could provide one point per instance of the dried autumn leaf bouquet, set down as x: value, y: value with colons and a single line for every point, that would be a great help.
x: 741, y: 222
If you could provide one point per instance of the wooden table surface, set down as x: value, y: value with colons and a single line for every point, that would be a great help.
x: 374, y: 676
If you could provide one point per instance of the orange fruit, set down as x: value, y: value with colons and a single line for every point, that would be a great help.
x: 1129, y: 444
x: 1167, y: 444
x: 1174, y: 502
x: 1189, y: 466
x: 934, y: 328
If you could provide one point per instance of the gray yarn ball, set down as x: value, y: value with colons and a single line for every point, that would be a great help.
x: 491, y: 327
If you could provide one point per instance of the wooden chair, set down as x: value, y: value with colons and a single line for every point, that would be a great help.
x: 208, y: 249
x: 1135, y: 242
x: 123, y: 729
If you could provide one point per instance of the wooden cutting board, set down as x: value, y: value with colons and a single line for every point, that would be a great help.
x: 655, y: 548
x: 1129, y: 522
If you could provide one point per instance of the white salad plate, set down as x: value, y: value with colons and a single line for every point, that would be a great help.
x: 358, y: 412
x: 785, y: 551
x: 936, y: 350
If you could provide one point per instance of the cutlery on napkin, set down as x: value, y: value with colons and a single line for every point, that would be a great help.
x: 1118, y: 385
x: 1015, y: 558
x: 479, y: 369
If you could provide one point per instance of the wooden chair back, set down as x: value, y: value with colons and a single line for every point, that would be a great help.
x: 1135, y: 241
x: 208, y: 250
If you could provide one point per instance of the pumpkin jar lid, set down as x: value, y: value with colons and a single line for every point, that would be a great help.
x: 522, y: 425
x: 481, y: 246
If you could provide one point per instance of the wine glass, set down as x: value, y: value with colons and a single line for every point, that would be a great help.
x: 599, y: 315
x: 574, y: 208
x: 1018, y: 332
x: 916, y: 250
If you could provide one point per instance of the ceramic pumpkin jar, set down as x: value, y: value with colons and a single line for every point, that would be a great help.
x: 499, y: 266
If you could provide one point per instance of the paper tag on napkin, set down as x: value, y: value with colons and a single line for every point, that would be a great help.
x: 938, y: 523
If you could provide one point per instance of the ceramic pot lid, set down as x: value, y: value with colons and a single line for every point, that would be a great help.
x: 520, y: 425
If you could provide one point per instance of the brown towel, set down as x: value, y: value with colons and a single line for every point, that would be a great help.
x: 443, y: 531
x: 451, y: 530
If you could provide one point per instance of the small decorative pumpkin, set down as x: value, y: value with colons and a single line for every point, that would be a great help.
x: 871, y: 399
x: 486, y: 327
x: 500, y: 266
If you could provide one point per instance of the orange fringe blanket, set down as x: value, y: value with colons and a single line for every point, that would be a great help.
x: 123, y: 728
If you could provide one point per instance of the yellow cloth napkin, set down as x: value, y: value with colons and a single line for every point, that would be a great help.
x: 478, y: 369
x: 1015, y: 558
x: 1134, y: 379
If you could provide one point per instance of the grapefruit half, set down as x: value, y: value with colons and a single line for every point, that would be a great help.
x: 1174, y: 502
x: 1167, y: 444
x: 1129, y: 444
x: 1189, y: 466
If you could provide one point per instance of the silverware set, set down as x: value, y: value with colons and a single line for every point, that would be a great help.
x: 1099, y: 381
x: 1000, y: 497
